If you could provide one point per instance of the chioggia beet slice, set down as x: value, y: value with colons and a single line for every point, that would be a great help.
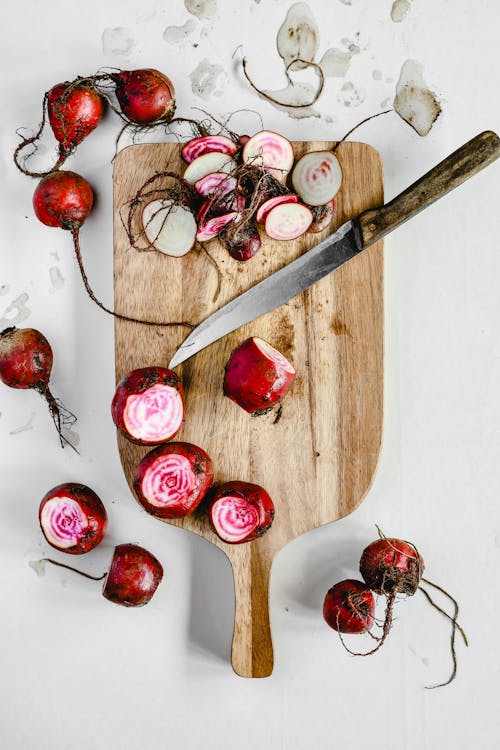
x: 171, y: 480
x: 210, y: 228
x: 169, y: 228
x: 257, y: 375
x: 133, y: 577
x: 148, y: 405
x: 317, y: 177
x: 264, y: 209
x: 73, y: 518
x: 208, y: 144
x: 240, y: 512
x: 271, y: 151
x: 349, y: 607
x: 210, y: 162
x: 287, y: 221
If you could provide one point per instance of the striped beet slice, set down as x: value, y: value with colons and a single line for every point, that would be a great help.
x: 264, y: 209
x: 72, y: 518
x: 171, y: 480
x: 208, y: 144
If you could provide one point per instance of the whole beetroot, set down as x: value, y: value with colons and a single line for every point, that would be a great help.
x: 133, y: 577
x: 349, y: 607
x: 391, y: 566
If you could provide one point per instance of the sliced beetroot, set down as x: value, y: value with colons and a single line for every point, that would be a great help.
x: 210, y: 228
x: 257, y: 375
x: 288, y: 221
x: 264, y: 209
x: 169, y: 228
x: 208, y: 144
x: 74, y: 110
x: 207, y: 164
x: 72, y: 518
x: 317, y: 177
x: 349, y: 607
x: 133, y: 577
x: 322, y: 217
x: 148, y: 405
x: 171, y: 481
x: 271, y: 151
x: 241, y: 512
x: 215, y: 183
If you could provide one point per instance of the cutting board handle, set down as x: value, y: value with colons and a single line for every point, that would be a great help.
x: 463, y: 163
x: 252, y: 649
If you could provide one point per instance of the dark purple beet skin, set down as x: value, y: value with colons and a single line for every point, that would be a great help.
x: 133, y: 577
x: 241, y: 512
x: 72, y: 518
x: 148, y: 405
x: 172, y: 480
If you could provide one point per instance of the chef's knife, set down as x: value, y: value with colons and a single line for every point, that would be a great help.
x: 351, y: 239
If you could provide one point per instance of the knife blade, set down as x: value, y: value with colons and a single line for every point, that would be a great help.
x: 348, y: 241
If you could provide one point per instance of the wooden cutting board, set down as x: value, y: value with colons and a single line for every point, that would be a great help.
x: 318, y: 460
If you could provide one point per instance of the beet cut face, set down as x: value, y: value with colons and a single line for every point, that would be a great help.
x: 171, y: 481
x: 148, y: 405
x: 133, y: 577
x: 257, y: 375
x: 241, y: 512
x: 72, y: 518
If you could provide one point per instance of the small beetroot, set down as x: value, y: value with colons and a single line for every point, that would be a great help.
x: 75, y: 109
x: 391, y: 566
x: 257, y: 375
x: 26, y: 362
x: 146, y: 96
x: 148, y: 405
x: 172, y: 480
x: 241, y: 512
x: 349, y: 607
x: 72, y: 518
x: 133, y: 577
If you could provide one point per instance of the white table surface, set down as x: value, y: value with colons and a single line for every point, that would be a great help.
x: 77, y: 672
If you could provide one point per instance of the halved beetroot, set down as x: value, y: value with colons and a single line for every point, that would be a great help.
x: 148, y: 405
x: 271, y: 151
x: 288, y: 221
x: 240, y: 512
x: 257, y: 375
x: 171, y: 480
x: 72, y: 518
x: 210, y: 228
x: 264, y: 209
x: 207, y: 164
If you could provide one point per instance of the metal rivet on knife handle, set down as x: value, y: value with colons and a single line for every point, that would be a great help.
x: 463, y: 163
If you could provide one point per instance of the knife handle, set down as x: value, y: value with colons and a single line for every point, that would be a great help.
x: 463, y: 163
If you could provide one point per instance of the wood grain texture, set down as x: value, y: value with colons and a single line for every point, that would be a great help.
x: 318, y: 460
x: 463, y: 163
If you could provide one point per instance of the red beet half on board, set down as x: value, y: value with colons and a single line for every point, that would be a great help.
x: 257, y: 375
x: 171, y: 480
x: 73, y: 518
x: 241, y: 512
x: 133, y: 577
x: 148, y: 405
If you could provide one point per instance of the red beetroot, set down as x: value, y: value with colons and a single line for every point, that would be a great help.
x: 349, y: 607
x: 146, y: 96
x: 391, y: 566
x: 63, y: 199
x: 171, y: 480
x: 241, y: 512
x: 148, y: 405
x: 257, y: 375
x: 26, y: 362
x: 133, y: 577
x: 75, y: 110
x: 72, y: 518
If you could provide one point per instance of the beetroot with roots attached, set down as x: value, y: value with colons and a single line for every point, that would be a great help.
x: 26, y: 362
x: 63, y: 199
x: 257, y: 375
x: 148, y: 405
x: 74, y: 110
x: 172, y: 480
x: 349, y: 607
x: 146, y: 96
x: 72, y: 518
x: 391, y: 566
x: 241, y: 512
x: 133, y: 577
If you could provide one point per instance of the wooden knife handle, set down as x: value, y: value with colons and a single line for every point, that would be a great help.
x: 463, y: 163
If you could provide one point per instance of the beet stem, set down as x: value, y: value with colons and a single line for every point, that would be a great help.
x: 270, y: 98
x: 367, y: 119
x: 75, y: 570
x: 66, y: 418
x: 436, y: 606
x: 34, y: 138
x: 387, y: 626
x: 76, y: 241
